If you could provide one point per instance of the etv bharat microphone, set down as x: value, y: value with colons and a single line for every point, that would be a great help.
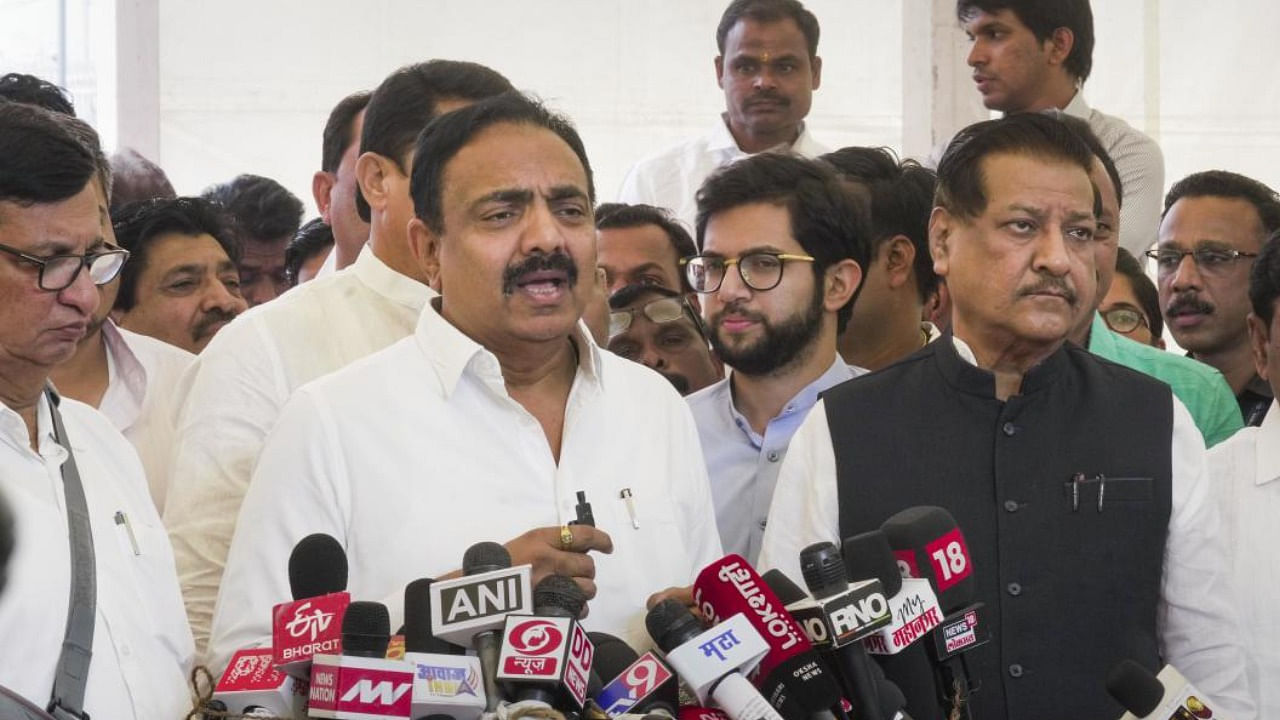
x: 446, y: 681
x: 1167, y: 696
x: 312, y: 622
x: 547, y: 656
x: 714, y: 662
x: 791, y: 677
x: 361, y: 683
x: 641, y: 684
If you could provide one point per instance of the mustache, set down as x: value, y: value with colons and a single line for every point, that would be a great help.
x: 1051, y: 284
x: 736, y: 309
x: 1188, y: 303
x: 211, y: 318
x: 767, y: 96
x: 539, y: 263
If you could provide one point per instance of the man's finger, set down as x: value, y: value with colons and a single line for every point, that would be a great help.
x: 584, y: 538
x: 574, y: 565
x: 589, y: 587
x: 683, y: 594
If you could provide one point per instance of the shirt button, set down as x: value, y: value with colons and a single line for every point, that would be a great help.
x: 1011, y: 505
x: 773, y: 456
x: 1014, y: 589
x: 1009, y: 429
x: 1015, y: 670
x: 762, y: 523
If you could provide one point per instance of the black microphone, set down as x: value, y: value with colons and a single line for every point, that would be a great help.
x: 556, y: 596
x: 446, y: 681
x: 1157, y: 697
x: 638, y: 685
x: 362, y: 682
x: 317, y: 566
x: 366, y: 630
x: 480, y: 558
x: 311, y: 624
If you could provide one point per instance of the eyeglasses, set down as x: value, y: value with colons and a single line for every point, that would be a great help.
x: 659, y: 311
x: 1124, y: 319
x: 759, y: 270
x: 57, y: 272
x: 1211, y: 261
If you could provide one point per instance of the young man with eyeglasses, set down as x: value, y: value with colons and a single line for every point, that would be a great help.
x: 660, y: 329
x: 1213, y: 227
x: 74, y: 484
x: 783, y: 247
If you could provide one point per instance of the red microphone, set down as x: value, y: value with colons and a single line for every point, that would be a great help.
x: 312, y: 623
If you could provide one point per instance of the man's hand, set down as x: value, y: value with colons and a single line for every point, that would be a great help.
x: 541, y: 548
x: 682, y: 594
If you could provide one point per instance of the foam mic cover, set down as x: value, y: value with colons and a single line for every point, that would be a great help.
x: 1134, y: 687
x: 418, y: 636
x: 637, y: 685
x: 317, y: 566
x: 558, y: 596
x: 926, y: 540
x: 1166, y: 696
x: 366, y: 629
x: 485, y: 557
x: 868, y: 556
x: 781, y: 585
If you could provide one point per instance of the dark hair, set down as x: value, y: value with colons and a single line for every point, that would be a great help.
x: 40, y: 160
x: 406, y: 101
x: 136, y: 179
x: 766, y: 11
x: 1042, y: 17
x: 449, y: 133
x: 900, y: 197
x: 961, y: 184
x: 138, y: 224
x: 311, y: 239
x: 88, y: 137
x: 1082, y: 129
x: 1145, y: 290
x: 1264, y: 281
x: 825, y: 218
x: 1220, y: 183
x: 614, y: 216
x: 261, y: 209
x: 337, y: 130
x: 31, y: 90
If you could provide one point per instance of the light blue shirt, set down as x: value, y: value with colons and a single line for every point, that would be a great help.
x: 742, y: 464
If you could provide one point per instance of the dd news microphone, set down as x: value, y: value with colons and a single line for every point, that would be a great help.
x: 445, y: 682
x: 1167, y: 696
x: 639, y: 684
x: 929, y: 545
x: 547, y: 656
x: 913, y: 607
x: 312, y: 622
x: 471, y: 610
x: 714, y: 662
x: 361, y: 683
x: 251, y: 683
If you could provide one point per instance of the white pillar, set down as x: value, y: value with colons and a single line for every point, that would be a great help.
x: 938, y: 96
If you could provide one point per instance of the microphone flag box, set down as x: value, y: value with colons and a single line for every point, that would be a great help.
x: 304, y: 628
x: 847, y: 616
x: 809, y: 616
x: 914, y: 611
x: 633, y: 684
x: 732, y: 646
x: 464, y: 606
x: 447, y: 685
x: 961, y: 631
x: 346, y: 687
x: 251, y: 680
x: 554, y: 649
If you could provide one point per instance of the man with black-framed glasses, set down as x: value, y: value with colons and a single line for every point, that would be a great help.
x: 783, y: 247
x: 1213, y: 227
x: 660, y: 329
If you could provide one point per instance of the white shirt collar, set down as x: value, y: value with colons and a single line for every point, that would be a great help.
x: 1268, y: 446
x: 1078, y: 107
x: 383, y: 280
x: 721, y: 140
x: 126, y: 372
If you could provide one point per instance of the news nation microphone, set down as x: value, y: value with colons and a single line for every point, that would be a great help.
x: 252, y: 683
x: 791, y: 677
x: 1167, y: 696
x: 471, y: 610
x: 445, y: 682
x: 640, y: 685
x: 361, y: 684
x: 548, y: 655
x: 312, y: 622
x: 713, y: 663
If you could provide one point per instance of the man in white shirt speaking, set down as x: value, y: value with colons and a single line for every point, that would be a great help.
x: 74, y: 484
x: 493, y: 415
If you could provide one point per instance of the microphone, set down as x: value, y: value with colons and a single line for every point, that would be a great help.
x: 251, y: 681
x: 712, y: 662
x: 361, y: 683
x: 548, y: 655
x: 471, y: 610
x: 641, y: 684
x: 791, y: 676
x: 306, y: 626
x: 445, y: 683
x: 1167, y: 696
x: 914, y: 611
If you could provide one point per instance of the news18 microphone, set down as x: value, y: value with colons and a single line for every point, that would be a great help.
x: 446, y: 681
x: 1167, y: 696
x: 361, y: 683
x: 312, y: 622
x: 472, y: 609
x: 548, y: 655
x: 639, y: 684
x: 713, y: 663
x: 899, y: 647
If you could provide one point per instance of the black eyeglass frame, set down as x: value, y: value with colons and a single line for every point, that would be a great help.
x: 783, y: 258
x: 86, y: 260
x: 1225, y: 256
x: 1141, y: 319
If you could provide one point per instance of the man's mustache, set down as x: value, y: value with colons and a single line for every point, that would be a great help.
x: 211, y: 318
x: 514, y: 274
x: 1188, y: 304
x: 1051, y: 284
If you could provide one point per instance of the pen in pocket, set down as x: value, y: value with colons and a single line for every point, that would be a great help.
x: 122, y: 519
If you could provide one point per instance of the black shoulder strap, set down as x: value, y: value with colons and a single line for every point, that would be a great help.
x: 69, y: 682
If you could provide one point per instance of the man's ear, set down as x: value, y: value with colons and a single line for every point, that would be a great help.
x: 372, y: 172
x: 817, y: 71
x: 841, y: 282
x: 424, y: 245
x: 1259, y: 342
x: 720, y: 71
x: 1059, y: 45
x: 321, y: 184
x: 941, y: 226
x: 899, y: 260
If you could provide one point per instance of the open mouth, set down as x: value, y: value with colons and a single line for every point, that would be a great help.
x: 543, y: 284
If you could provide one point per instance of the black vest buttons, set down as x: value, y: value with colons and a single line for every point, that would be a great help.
x: 1009, y: 429
x: 1015, y: 670
x: 1014, y: 589
x: 1011, y: 505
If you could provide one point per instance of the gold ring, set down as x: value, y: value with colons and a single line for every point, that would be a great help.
x: 566, y: 537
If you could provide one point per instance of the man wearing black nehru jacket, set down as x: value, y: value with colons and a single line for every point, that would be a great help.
x: 493, y: 415
x: 1079, y: 484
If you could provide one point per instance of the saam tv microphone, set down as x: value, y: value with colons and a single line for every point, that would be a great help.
x: 714, y: 662
x: 547, y: 656
x: 445, y: 682
x: 1167, y: 696
x: 312, y: 622
x: 471, y: 610
x: 361, y: 683
x: 639, y: 684
x: 791, y: 676
x: 252, y: 683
